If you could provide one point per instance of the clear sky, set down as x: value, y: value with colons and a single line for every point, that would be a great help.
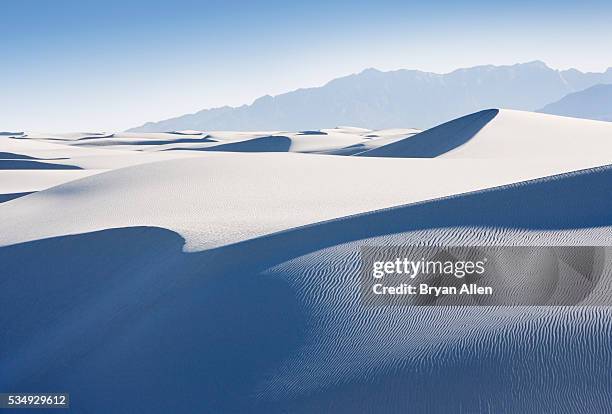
x: 110, y: 65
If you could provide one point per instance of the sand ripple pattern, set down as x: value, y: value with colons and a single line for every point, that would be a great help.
x: 274, y: 324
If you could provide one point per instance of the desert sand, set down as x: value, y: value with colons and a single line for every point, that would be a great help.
x: 222, y: 266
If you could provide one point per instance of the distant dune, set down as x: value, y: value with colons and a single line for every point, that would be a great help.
x: 223, y: 268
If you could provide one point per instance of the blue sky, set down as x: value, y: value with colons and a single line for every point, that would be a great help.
x: 109, y: 65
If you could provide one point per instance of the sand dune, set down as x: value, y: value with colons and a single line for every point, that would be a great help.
x: 471, y: 154
x: 216, y: 198
x: 486, y: 134
x: 437, y: 140
x: 333, y: 140
x: 35, y: 180
x: 507, y: 134
x: 295, y: 336
x: 223, y: 268
x: 33, y: 163
x: 514, y: 134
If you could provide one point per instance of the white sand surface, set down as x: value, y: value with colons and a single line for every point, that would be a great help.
x: 502, y: 133
x: 21, y: 181
x: 34, y: 163
x: 214, y: 198
x: 326, y: 140
x: 223, y: 273
x: 520, y: 135
x: 222, y: 198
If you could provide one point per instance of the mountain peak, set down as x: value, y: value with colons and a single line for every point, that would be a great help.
x: 371, y: 70
x: 263, y: 99
x: 535, y: 63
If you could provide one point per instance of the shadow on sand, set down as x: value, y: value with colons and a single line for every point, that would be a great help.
x: 25, y: 164
x: 122, y: 318
x: 273, y: 143
x: 437, y: 140
x: 11, y: 196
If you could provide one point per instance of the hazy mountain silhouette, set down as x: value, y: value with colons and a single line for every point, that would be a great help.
x: 400, y: 98
x: 592, y: 103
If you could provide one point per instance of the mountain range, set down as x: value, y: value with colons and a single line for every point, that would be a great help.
x: 592, y: 103
x: 401, y: 98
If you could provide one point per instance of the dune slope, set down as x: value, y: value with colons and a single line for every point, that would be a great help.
x: 229, y: 278
x: 279, y: 325
x: 222, y: 198
x: 507, y: 134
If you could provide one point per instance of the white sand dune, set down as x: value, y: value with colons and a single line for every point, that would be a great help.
x: 230, y: 280
x: 222, y: 198
x: 376, y: 139
x: 507, y: 134
x: 517, y: 134
x: 65, y: 136
x: 281, y: 322
x: 324, y: 141
x: 33, y: 164
x: 267, y: 142
x: 16, y: 181
x: 306, y: 189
